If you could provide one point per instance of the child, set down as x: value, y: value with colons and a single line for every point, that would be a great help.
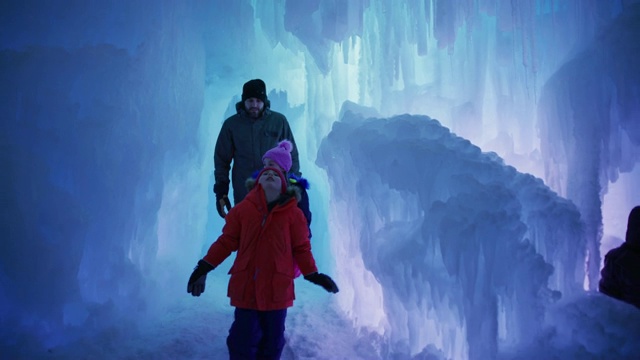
x: 270, y: 234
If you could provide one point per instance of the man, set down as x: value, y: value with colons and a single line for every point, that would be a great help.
x: 621, y: 271
x: 243, y: 139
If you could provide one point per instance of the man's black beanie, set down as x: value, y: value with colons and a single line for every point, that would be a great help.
x: 254, y: 89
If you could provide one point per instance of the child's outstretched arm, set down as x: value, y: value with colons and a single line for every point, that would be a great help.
x: 323, y: 280
x: 227, y: 243
x: 198, y: 278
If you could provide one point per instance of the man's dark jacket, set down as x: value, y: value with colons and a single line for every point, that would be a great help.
x: 244, y: 140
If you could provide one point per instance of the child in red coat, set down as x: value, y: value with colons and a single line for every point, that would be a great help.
x: 270, y: 234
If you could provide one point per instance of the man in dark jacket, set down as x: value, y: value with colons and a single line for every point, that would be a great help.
x: 243, y: 139
x: 621, y: 272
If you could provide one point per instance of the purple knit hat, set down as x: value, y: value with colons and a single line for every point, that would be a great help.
x: 281, y: 154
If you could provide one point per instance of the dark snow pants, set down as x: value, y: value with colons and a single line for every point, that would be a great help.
x: 256, y: 334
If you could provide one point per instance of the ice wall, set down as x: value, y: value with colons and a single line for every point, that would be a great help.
x: 477, y: 66
x: 441, y: 244
x: 93, y: 139
x: 589, y: 120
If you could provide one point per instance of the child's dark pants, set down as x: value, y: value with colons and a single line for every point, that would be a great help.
x: 256, y: 334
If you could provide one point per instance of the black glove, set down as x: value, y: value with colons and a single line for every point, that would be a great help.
x: 198, y: 278
x: 222, y: 200
x: 221, y: 203
x: 323, y: 280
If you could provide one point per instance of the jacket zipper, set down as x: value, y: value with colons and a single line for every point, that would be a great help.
x: 264, y: 219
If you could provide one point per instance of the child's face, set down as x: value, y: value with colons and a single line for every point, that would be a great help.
x: 270, y: 163
x: 270, y: 180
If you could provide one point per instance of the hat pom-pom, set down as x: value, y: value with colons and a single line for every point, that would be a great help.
x: 286, y: 145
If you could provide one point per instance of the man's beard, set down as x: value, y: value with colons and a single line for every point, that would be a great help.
x: 254, y: 112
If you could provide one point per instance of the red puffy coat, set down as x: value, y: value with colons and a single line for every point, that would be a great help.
x: 267, y: 243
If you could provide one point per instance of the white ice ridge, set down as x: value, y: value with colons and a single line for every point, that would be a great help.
x: 464, y: 251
